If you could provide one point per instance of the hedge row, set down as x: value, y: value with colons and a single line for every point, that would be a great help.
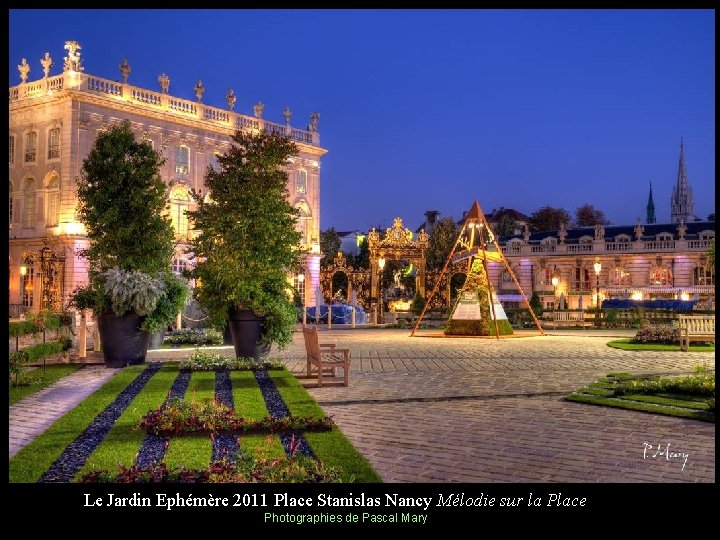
x: 40, y: 351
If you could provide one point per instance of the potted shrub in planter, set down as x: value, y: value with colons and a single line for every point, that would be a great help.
x: 247, y: 244
x: 121, y: 200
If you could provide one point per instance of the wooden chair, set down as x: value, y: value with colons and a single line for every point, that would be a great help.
x: 324, y: 357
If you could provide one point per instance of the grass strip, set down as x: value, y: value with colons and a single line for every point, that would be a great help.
x: 35, y: 458
x: 193, y: 451
x: 249, y: 402
x: 331, y: 447
x: 625, y: 345
x: 123, y: 441
x: 45, y: 378
x: 670, y: 402
x: 642, y: 407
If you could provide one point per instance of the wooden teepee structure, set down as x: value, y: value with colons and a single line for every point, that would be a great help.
x: 477, y: 243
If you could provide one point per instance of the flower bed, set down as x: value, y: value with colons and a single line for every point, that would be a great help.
x: 657, y: 334
x: 294, y: 469
x: 207, y: 361
x: 198, y: 337
x: 179, y: 417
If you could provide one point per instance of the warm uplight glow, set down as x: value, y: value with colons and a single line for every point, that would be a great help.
x: 301, y: 277
x: 637, y: 295
x: 684, y: 296
x: 597, y: 266
x: 23, y: 270
x: 315, y: 248
x: 381, y: 263
x: 72, y: 228
x: 555, y: 281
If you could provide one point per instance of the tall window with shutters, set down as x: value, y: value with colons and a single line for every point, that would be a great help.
x: 29, y: 203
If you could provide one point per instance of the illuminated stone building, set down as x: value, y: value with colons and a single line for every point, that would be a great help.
x: 54, y: 121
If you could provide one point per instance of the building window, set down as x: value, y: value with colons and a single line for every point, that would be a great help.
x: 179, y: 205
x: 182, y: 160
x: 214, y: 162
x: 582, y: 279
x: 300, y: 288
x: 179, y: 266
x: 301, y: 181
x: 29, y: 206
x: 543, y: 278
x: 12, y: 149
x: 620, y: 276
x: 27, y: 283
x: 702, y: 275
x: 30, y: 147
x: 54, y: 143
x: 11, y: 203
x: 660, y: 275
x: 53, y: 202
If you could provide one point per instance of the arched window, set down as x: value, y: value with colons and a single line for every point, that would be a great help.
x: 27, y: 282
x: 543, y: 278
x: 300, y: 288
x: 179, y: 205
x: 29, y: 203
x: 702, y: 275
x: 30, y: 146
x: 304, y: 222
x: 620, y: 276
x: 182, y: 160
x: 660, y: 275
x: 301, y: 181
x: 53, y: 201
x: 582, y: 280
x: 54, y: 144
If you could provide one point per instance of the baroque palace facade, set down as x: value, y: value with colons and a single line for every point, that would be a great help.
x: 53, y: 125
x: 641, y: 262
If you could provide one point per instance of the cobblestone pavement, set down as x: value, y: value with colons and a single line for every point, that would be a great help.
x: 429, y: 409
x: 31, y: 416
x: 482, y: 410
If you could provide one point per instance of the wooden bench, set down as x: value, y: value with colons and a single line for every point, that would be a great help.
x: 324, y: 357
x: 569, y: 318
x: 696, y: 328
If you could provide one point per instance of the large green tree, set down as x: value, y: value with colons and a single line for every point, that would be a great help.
x: 588, y: 216
x: 505, y: 227
x: 247, y: 242
x: 121, y: 202
x: 329, y: 245
x: 442, y: 239
x: 548, y: 218
x: 362, y: 259
x: 711, y: 255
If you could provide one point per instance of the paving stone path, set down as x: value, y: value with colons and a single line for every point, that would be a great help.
x: 482, y: 410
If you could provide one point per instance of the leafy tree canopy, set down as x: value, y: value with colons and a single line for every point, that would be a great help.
x: 442, y: 239
x: 588, y: 216
x: 548, y: 219
x: 329, y: 245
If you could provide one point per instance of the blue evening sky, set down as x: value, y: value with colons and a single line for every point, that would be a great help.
x: 432, y: 109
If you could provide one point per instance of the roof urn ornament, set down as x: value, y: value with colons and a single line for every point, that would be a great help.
x: 639, y: 230
x: 24, y: 69
x: 199, y: 89
x: 314, y: 119
x: 287, y: 113
x: 230, y: 98
x: 125, y: 70
x: 72, y: 60
x: 259, y: 109
x: 682, y: 229
x: 164, y: 81
x: 562, y: 233
x: 46, y: 62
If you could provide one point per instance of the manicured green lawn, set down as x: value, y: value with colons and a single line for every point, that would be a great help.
x: 625, y: 345
x: 124, y: 440
x: 43, y: 378
x: 686, y: 397
x: 331, y: 447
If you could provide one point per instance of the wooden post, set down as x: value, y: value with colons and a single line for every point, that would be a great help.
x: 178, y: 320
x: 329, y: 317
x: 304, y: 317
x: 82, y: 336
x: 352, y: 316
x: 97, y: 346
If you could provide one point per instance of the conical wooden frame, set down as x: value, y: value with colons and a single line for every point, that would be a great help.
x: 473, y: 227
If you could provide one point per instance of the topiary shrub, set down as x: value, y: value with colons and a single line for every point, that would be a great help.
x: 657, y: 334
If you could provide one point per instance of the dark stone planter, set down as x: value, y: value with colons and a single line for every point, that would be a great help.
x: 123, y: 343
x: 245, y: 330
x: 156, y: 340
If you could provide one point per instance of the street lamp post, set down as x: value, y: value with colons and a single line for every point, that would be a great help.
x: 381, y: 265
x: 597, y: 267
x: 554, y: 282
x: 301, y: 281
